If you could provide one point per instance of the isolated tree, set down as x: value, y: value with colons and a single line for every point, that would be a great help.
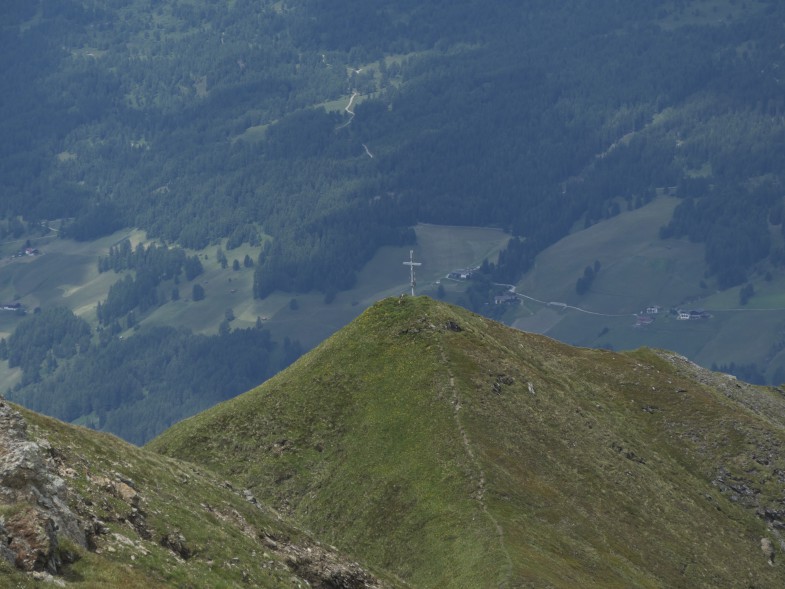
x: 197, y: 293
x: 223, y: 328
x: 746, y: 293
x: 583, y: 284
x: 193, y: 267
x: 221, y: 257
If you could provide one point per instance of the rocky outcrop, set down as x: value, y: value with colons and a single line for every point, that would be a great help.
x: 42, y: 521
x: 175, y: 542
x: 34, y: 512
x: 320, y: 567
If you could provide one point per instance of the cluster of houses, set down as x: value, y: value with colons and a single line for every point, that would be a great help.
x: 693, y: 314
x: 461, y: 274
x: 506, y: 299
x: 17, y: 308
x: 28, y: 251
x: 648, y: 316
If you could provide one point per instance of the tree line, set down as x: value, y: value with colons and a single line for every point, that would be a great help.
x: 153, y: 265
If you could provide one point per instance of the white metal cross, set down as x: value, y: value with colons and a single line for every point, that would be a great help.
x: 411, y: 263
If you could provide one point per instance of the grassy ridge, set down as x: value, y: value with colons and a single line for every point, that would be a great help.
x: 223, y: 532
x: 334, y: 430
x: 457, y: 452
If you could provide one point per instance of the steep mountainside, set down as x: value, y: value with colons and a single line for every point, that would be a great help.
x: 83, y: 509
x: 452, y: 451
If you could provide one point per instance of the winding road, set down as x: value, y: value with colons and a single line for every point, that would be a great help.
x: 349, y: 110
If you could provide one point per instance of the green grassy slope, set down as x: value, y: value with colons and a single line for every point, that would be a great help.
x: 66, y: 275
x: 134, y: 499
x: 638, y: 269
x: 456, y: 452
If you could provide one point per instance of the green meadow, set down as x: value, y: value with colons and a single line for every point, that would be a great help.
x: 66, y: 274
x: 639, y: 270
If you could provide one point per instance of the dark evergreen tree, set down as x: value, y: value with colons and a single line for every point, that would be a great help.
x: 197, y: 293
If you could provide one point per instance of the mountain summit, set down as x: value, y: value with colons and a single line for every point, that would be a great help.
x: 452, y: 451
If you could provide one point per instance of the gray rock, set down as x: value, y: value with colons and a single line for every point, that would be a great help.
x: 29, y: 481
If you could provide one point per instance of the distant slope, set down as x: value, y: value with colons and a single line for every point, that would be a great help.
x: 456, y: 452
x: 638, y: 271
x: 86, y: 510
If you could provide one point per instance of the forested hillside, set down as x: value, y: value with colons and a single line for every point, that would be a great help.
x: 331, y: 127
x: 139, y: 386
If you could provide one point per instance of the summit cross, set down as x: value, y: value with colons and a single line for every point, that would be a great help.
x: 411, y: 263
